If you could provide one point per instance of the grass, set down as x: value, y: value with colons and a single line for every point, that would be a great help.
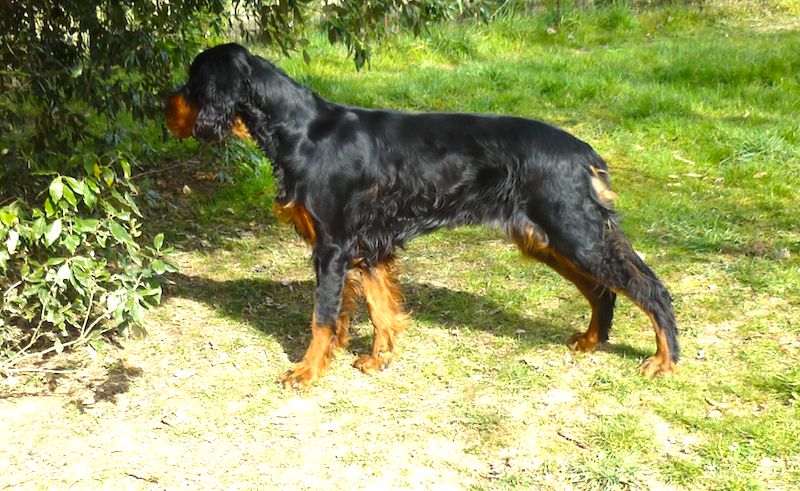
x: 696, y: 113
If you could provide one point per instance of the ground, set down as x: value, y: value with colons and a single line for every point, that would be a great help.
x: 701, y: 137
x: 486, y: 398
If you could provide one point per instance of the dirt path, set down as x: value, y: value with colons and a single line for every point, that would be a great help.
x: 195, y: 404
x: 212, y: 418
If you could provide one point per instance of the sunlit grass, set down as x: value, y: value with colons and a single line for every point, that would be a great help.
x: 696, y: 113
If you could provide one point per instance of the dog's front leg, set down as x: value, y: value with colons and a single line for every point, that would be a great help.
x: 331, y: 267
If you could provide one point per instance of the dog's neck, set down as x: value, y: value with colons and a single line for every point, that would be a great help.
x: 278, y: 107
x: 278, y: 113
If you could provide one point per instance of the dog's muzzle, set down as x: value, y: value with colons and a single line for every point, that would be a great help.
x: 180, y: 115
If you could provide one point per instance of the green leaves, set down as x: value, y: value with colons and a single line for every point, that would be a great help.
x: 8, y: 215
x: 38, y: 228
x: 72, y: 232
x: 84, y: 225
x: 120, y: 234
x: 52, y: 232
x: 66, y: 188
x: 158, y: 241
x: 56, y: 190
x: 78, y: 263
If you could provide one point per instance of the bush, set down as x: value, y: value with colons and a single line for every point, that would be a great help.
x: 75, y: 267
x: 80, y: 89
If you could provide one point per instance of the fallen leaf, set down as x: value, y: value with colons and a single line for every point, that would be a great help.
x: 782, y: 253
x: 719, y: 405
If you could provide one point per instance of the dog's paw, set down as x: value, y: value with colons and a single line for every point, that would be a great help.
x: 301, y: 375
x: 370, y: 364
x: 657, y: 365
x: 581, y: 342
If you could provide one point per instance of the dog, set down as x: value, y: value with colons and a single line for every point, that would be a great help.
x: 357, y: 184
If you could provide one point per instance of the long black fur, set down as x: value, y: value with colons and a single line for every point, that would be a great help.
x: 373, y: 179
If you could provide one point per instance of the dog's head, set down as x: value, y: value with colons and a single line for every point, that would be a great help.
x: 207, y: 106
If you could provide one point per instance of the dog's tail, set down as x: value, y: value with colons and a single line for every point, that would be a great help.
x: 624, y: 271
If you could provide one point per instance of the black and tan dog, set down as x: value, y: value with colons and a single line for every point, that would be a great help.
x: 358, y: 183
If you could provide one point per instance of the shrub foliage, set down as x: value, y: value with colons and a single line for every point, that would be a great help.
x: 79, y: 80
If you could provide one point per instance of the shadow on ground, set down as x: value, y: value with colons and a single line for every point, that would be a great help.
x: 283, y: 309
x: 102, y: 384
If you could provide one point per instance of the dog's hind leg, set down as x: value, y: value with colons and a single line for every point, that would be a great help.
x: 601, y: 299
x: 607, y: 266
x: 533, y: 242
x: 385, y: 302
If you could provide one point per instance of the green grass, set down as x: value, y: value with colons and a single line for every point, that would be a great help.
x: 696, y: 113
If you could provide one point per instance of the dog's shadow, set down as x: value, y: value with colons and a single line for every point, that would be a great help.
x: 283, y: 309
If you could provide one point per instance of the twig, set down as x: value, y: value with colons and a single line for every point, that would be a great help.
x: 677, y: 157
x: 34, y: 336
x: 79, y: 339
x: 88, y: 312
x: 152, y: 480
x: 499, y: 9
x: 570, y: 439
x: 12, y: 287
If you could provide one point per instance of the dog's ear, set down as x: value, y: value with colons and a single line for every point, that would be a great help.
x: 215, y: 117
x: 217, y: 85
